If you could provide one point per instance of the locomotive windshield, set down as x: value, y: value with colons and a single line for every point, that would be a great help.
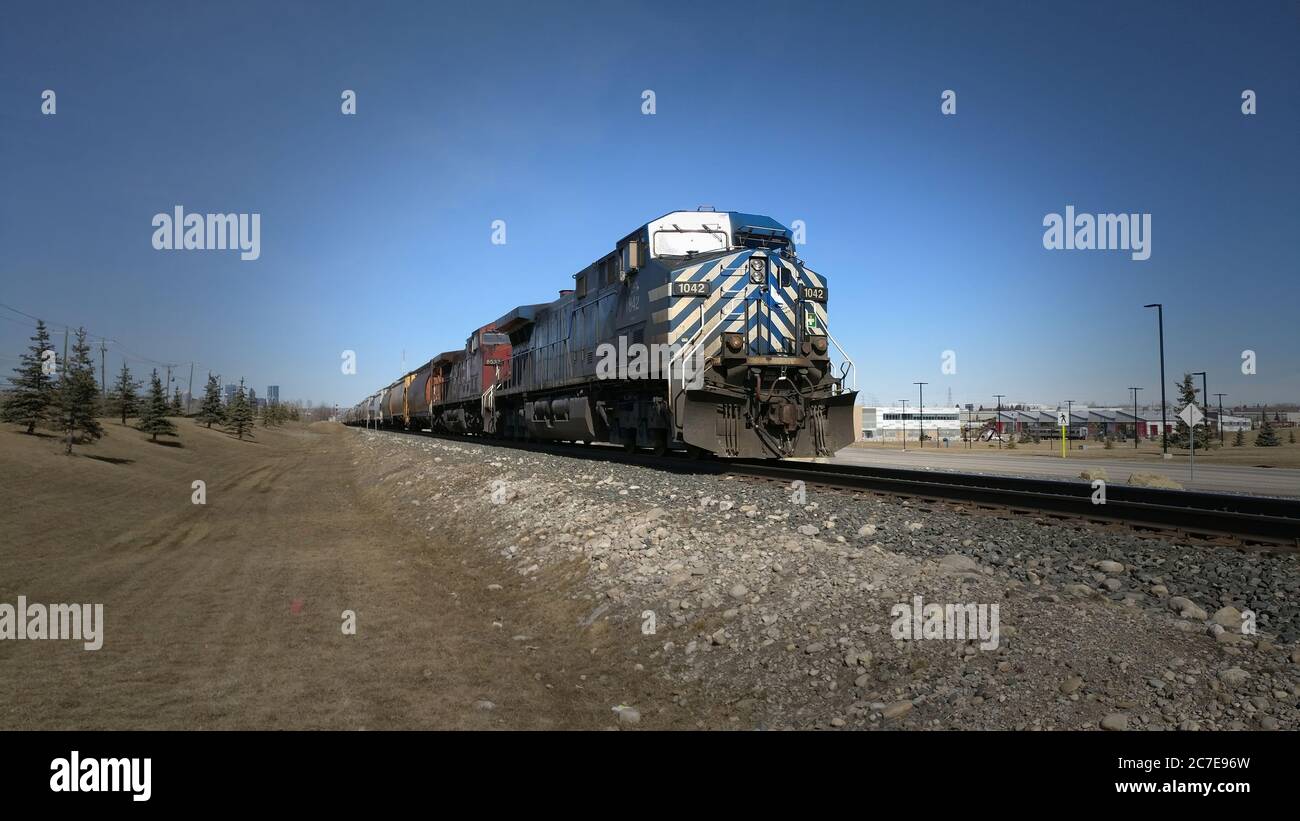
x: 755, y: 237
x: 682, y: 242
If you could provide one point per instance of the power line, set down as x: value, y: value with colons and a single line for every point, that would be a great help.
x: 127, y: 353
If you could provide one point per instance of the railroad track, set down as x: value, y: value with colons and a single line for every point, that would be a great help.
x: 1250, y: 521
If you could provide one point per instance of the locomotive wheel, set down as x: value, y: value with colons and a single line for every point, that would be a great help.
x: 629, y: 447
x: 661, y: 442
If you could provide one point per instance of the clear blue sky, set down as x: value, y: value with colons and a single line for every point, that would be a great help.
x: 376, y: 228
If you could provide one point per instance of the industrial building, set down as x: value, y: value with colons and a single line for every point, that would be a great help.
x: 897, y: 424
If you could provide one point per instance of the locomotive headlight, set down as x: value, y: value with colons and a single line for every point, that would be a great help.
x: 819, y: 345
x: 758, y: 270
x: 735, y: 343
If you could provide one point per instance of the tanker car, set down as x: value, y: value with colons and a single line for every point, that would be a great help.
x: 701, y: 331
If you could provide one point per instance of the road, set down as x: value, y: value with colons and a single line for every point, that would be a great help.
x: 1215, y: 478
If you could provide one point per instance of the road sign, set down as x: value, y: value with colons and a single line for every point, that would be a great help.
x: 1062, y: 419
x: 1191, y: 415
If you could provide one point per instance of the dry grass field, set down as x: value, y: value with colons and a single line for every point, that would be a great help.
x: 228, y: 614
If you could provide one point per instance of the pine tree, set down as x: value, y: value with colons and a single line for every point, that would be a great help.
x: 79, y: 394
x: 33, y: 388
x: 1291, y: 437
x: 123, y: 396
x: 153, y: 416
x: 1239, y: 439
x: 1266, y: 438
x: 1180, y: 437
x: 211, y: 410
x: 178, y: 407
x: 239, y: 417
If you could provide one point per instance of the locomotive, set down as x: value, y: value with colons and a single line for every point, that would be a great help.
x: 701, y: 331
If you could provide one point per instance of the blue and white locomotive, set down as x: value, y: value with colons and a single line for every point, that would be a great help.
x: 734, y: 325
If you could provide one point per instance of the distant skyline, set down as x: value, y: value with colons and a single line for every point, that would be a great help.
x: 375, y: 229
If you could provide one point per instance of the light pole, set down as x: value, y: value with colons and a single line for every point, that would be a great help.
x: 1135, y: 415
x: 903, y: 415
x: 1164, y: 417
x: 997, y: 424
x: 1220, y: 395
x: 922, y: 412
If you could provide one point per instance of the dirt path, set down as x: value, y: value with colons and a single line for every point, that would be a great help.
x: 229, y: 614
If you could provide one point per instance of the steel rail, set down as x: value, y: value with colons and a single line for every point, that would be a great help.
x: 1249, y: 519
x: 1262, y: 519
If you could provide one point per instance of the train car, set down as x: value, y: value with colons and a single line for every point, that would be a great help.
x: 415, y: 405
x: 701, y: 331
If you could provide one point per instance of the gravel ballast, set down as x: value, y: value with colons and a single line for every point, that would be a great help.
x: 781, y: 607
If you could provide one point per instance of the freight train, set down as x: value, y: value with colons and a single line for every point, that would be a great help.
x: 702, y: 331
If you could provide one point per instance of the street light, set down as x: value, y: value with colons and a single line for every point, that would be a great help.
x: 1135, y: 414
x: 998, y: 424
x: 1164, y: 418
x: 922, y: 413
x: 903, y: 415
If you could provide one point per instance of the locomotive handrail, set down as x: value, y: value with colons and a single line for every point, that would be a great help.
x: 852, y: 367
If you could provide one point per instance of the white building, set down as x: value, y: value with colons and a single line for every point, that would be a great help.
x: 1231, y: 424
x: 896, y: 423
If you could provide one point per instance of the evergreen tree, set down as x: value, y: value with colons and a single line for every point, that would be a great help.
x: 211, y: 410
x: 79, y: 394
x: 178, y: 407
x: 1239, y: 439
x: 123, y: 396
x: 153, y: 416
x: 1181, y: 435
x: 1266, y: 438
x: 271, y: 416
x: 1291, y: 437
x: 239, y: 417
x: 33, y: 388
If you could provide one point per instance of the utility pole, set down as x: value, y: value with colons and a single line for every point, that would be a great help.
x: 189, y: 398
x: 1164, y: 414
x: 1135, y: 415
x: 997, y: 425
x: 921, y: 388
x: 904, y: 416
x: 103, y: 381
x: 1220, y: 395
